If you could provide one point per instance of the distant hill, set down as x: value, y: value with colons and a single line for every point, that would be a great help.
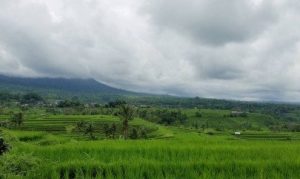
x: 90, y: 90
x: 72, y: 85
x: 62, y: 87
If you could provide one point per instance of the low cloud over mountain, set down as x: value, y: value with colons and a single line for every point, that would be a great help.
x: 237, y: 49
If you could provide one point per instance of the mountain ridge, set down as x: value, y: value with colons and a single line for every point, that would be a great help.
x: 65, y: 84
x: 64, y: 88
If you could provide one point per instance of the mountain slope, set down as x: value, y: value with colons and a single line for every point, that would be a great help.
x: 61, y: 87
x: 73, y: 85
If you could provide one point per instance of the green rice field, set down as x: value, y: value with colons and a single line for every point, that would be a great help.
x: 46, y: 146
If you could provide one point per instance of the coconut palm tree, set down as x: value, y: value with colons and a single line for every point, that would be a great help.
x: 126, y: 113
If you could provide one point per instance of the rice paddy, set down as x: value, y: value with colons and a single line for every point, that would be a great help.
x: 44, y: 147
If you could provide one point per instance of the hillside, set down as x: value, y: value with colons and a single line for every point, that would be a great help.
x: 58, y: 88
x: 71, y: 85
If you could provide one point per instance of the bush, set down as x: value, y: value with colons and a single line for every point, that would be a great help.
x: 3, y: 146
x: 134, y: 134
x: 5, y: 124
x: 17, y: 119
x: 198, y: 114
x: 210, y: 132
x: 144, y: 133
x: 31, y: 98
x: 170, y: 117
x: 81, y: 125
x: 19, y: 165
x: 89, y: 130
x: 110, y: 131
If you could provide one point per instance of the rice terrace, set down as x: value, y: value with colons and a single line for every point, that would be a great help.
x: 159, y: 89
x: 73, y: 140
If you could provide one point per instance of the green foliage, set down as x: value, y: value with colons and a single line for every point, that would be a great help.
x: 198, y: 114
x: 115, y: 104
x: 5, y: 124
x: 144, y: 133
x: 69, y: 103
x: 4, y: 147
x: 134, y: 134
x: 110, y: 131
x: 18, y: 164
x: 193, y: 147
x: 170, y: 117
x: 187, y: 155
x: 89, y: 130
x: 126, y: 113
x: 31, y: 98
x: 81, y: 125
x: 17, y: 119
x: 6, y: 96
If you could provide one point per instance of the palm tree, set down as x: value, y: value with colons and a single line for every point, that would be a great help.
x: 126, y: 113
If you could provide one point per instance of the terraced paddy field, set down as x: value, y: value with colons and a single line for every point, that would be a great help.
x: 185, y: 155
x: 65, y: 125
x: 45, y: 147
x: 269, y: 136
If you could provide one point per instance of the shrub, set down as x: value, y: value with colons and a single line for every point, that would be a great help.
x: 210, y: 132
x: 110, y: 131
x: 17, y: 119
x: 134, y: 134
x: 31, y: 98
x: 144, y: 133
x: 89, y: 130
x: 81, y: 125
x: 3, y: 146
x: 198, y: 114
x: 171, y: 117
x: 4, y: 124
x: 18, y: 164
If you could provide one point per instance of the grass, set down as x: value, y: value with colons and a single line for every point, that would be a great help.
x: 265, y: 135
x: 220, y: 119
x: 43, y: 148
x: 65, y: 125
x: 185, y: 155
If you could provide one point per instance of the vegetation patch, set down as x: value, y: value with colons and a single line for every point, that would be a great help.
x: 18, y: 164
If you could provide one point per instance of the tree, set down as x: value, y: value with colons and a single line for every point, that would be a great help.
x: 89, y: 130
x: 126, y: 113
x: 106, y: 130
x: 134, y: 134
x: 182, y: 117
x: 113, y: 130
x: 17, y: 119
x: 196, y: 125
x: 31, y: 98
x: 80, y: 125
x: 110, y: 131
x: 198, y: 114
x: 3, y: 147
x: 115, y: 104
x: 171, y: 117
x: 144, y: 133
x: 4, y: 124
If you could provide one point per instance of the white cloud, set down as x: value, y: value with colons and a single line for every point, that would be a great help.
x: 236, y: 49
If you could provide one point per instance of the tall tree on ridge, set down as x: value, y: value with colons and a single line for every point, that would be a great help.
x: 126, y: 113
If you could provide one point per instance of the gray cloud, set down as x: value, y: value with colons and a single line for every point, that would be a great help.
x: 214, y: 22
x: 239, y: 49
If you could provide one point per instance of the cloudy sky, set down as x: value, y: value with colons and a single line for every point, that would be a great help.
x: 233, y: 49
